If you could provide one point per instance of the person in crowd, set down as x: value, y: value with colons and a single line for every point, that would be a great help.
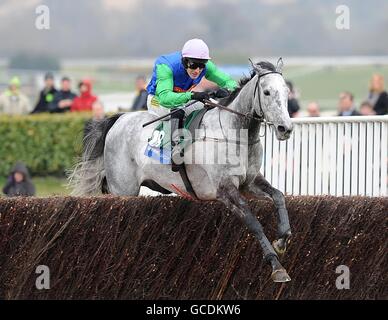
x: 140, y: 102
x: 13, y: 101
x: 346, y: 105
x: 98, y: 113
x: 378, y: 97
x: 63, y: 99
x: 46, y: 96
x: 366, y: 109
x: 84, y: 102
x: 313, y: 109
x: 293, y: 104
x: 19, y: 182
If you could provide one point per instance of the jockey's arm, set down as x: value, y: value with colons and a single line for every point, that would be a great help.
x: 165, y: 89
x: 220, y: 78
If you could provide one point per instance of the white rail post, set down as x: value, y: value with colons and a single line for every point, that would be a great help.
x: 347, y: 157
x: 369, y: 159
x: 311, y: 159
x: 384, y: 159
x: 376, y: 159
x: 355, y: 157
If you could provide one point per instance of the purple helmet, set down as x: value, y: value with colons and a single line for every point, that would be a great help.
x: 197, y: 49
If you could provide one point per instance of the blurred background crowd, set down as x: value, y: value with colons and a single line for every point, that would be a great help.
x: 53, y: 99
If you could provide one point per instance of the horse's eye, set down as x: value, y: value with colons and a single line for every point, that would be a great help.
x: 266, y: 92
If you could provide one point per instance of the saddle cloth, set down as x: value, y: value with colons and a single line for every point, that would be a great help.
x: 159, y: 144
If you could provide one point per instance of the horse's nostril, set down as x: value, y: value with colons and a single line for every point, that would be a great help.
x: 281, y: 129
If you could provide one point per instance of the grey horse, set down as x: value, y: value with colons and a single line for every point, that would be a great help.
x: 114, y: 160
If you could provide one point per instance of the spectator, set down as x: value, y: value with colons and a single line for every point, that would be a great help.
x: 13, y: 101
x: 313, y: 109
x: 366, y: 109
x: 19, y: 182
x: 346, y: 105
x: 46, y: 96
x: 98, y: 110
x: 84, y: 102
x: 293, y: 104
x: 140, y: 102
x: 378, y: 97
x: 63, y: 99
x: 98, y: 114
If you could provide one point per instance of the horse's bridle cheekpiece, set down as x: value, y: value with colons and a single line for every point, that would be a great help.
x: 257, y: 87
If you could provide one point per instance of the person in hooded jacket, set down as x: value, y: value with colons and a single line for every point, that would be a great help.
x: 19, y: 182
x: 13, y: 101
x: 84, y: 102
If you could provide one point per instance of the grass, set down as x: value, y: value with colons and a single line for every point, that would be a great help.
x: 46, y: 186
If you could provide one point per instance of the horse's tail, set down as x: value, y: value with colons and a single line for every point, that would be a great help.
x: 87, y: 177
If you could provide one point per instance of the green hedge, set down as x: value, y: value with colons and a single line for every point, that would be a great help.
x: 46, y: 143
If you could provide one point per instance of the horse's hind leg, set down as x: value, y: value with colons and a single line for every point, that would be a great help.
x: 231, y: 197
x: 260, y: 185
x: 121, y: 177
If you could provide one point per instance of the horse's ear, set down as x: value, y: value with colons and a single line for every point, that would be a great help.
x: 259, y: 70
x: 279, y: 65
x: 252, y: 64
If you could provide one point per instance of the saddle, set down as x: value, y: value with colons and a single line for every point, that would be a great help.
x: 159, y: 144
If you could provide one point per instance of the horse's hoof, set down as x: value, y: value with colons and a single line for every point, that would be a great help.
x: 280, y: 275
x: 280, y: 250
x: 281, y: 245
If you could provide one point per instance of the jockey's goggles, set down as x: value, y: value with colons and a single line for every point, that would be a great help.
x: 194, y: 63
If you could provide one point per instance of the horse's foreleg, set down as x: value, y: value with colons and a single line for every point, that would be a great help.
x: 234, y: 201
x: 259, y: 186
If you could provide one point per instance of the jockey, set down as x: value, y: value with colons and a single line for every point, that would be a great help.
x: 174, y: 77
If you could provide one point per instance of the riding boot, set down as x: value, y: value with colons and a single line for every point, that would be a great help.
x: 176, y: 149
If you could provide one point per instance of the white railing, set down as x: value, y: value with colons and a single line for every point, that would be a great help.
x: 330, y: 156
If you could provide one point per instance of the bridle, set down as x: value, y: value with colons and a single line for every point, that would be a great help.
x: 256, y: 117
x: 257, y: 88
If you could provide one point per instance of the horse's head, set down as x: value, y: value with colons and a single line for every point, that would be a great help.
x: 271, y: 97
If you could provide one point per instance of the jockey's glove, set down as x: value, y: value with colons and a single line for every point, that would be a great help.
x: 222, y: 93
x: 200, y: 96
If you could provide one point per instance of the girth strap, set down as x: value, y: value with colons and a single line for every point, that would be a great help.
x: 186, y: 181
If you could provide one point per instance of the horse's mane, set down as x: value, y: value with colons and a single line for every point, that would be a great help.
x: 244, y: 80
